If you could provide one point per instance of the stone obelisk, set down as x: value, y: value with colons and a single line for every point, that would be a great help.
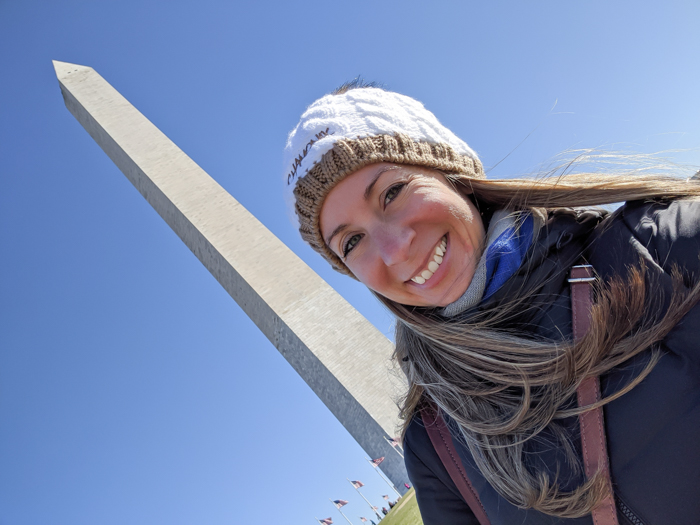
x: 339, y: 354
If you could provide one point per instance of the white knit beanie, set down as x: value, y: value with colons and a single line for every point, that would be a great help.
x: 341, y: 133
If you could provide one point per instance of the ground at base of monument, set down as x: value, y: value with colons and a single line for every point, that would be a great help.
x: 405, y: 512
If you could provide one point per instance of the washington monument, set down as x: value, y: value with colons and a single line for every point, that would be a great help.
x: 339, y: 354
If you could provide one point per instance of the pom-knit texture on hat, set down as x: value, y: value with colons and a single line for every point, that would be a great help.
x: 340, y: 134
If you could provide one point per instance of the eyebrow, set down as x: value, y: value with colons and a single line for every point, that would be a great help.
x: 335, y: 232
x: 370, y: 186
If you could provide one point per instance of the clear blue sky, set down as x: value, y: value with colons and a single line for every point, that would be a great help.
x: 132, y: 388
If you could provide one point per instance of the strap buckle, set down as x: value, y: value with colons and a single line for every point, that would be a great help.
x: 585, y: 271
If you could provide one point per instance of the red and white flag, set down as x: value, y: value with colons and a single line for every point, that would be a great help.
x: 363, y: 519
x: 377, y: 462
x: 340, y: 502
x: 394, y: 442
x: 386, y: 497
x: 327, y: 521
x: 357, y: 484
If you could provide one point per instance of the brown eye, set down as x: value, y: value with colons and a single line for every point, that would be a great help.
x: 392, y: 193
x: 351, y: 243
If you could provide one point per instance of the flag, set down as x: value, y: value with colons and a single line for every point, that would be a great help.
x: 394, y: 442
x: 363, y: 519
x: 374, y: 508
x: 377, y: 462
x: 386, y: 497
x: 340, y: 502
x: 357, y: 484
x: 327, y: 521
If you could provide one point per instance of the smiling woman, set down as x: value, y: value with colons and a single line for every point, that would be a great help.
x: 477, y: 273
x: 405, y: 232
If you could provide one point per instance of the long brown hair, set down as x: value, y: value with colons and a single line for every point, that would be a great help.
x: 501, y: 388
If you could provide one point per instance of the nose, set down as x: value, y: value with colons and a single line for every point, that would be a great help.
x: 394, y: 243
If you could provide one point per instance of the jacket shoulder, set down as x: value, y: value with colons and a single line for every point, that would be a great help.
x: 668, y: 230
x: 665, y: 234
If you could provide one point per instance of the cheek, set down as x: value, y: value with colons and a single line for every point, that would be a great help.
x: 436, y: 205
x: 371, y: 271
x: 366, y: 268
x: 464, y: 213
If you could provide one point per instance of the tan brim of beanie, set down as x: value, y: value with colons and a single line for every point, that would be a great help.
x: 348, y: 156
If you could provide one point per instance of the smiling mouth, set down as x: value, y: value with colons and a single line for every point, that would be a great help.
x: 434, y: 263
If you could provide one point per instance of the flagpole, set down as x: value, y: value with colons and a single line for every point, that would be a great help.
x: 338, y: 509
x: 395, y: 447
x: 363, y: 497
x: 375, y: 467
x: 344, y: 516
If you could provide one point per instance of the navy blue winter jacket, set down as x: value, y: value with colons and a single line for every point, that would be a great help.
x: 653, y: 431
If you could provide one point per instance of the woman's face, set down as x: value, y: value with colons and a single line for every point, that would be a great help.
x: 389, y: 224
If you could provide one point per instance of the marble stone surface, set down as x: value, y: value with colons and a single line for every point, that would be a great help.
x: 339, y: 353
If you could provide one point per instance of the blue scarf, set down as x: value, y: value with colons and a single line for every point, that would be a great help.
x: 507, y: 241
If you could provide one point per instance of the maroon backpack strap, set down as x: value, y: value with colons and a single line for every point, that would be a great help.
x: 442, y: 443
x: 595, y: 452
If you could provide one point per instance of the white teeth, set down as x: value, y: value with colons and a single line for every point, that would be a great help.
x: 432, y: 265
